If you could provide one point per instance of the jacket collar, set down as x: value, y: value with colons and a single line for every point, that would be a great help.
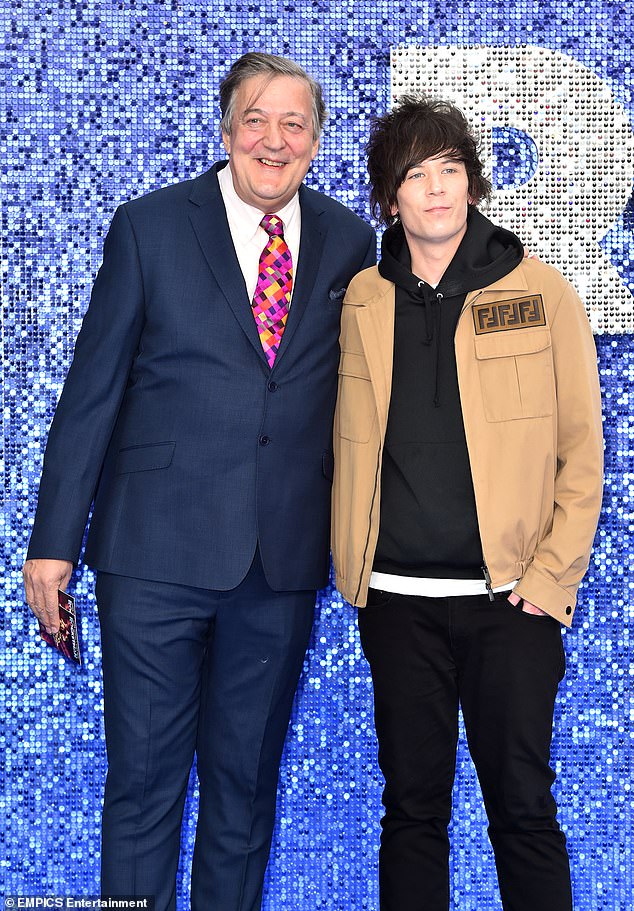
x: 311, y: 244
x: 377, y: 287
x: 508, y: 284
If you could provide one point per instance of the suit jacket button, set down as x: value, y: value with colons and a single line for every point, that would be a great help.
x: 568, y: 610
x: 264, y: 441
x: 272, y: 386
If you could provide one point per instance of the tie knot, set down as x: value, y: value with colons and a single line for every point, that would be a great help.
x: 272, y: 224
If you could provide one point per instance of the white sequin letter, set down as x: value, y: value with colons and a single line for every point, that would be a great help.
x: 585, y: 143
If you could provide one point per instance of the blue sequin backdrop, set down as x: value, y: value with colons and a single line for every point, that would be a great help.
x: 106, y: 100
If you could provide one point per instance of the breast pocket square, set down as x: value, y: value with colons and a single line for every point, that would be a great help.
x: 337, y: 295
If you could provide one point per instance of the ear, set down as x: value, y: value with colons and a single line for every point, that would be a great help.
x: 226, y: 141
x: 394, y: 206
x: 315, y: 149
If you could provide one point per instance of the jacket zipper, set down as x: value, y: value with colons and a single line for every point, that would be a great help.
x: 487, y: 582
x: 485, y: 570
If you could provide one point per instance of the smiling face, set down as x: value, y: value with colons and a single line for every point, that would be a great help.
x: 432, y: 203
x: 271, y: 143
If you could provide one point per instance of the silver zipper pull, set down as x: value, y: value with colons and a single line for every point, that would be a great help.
x: 487, y: 580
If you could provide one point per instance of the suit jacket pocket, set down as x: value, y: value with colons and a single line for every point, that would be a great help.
x: 516, y: 374
x: 336, y: 296
x: 145, y: 457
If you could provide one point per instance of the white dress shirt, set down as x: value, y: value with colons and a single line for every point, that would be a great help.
x: 249, y: 239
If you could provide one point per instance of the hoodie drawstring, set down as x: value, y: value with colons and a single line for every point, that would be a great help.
x: 433, y: 322
x: 429, y: 316
x: 437, y: 347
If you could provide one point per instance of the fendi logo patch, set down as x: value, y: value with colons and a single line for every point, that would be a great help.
x: 519, y: 313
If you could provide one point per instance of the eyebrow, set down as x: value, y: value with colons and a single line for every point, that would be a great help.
x: 445, y: 159
x: 266, y: 113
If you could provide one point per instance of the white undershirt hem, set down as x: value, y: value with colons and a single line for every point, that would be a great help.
x: 433, y: 588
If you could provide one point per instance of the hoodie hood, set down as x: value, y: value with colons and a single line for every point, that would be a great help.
x: 486, y: 254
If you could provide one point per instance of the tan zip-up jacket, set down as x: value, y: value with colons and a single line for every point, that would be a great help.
x: 529, y: 390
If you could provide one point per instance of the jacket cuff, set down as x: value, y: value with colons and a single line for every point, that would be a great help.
x: 543, y: 592
x: 37, y: 552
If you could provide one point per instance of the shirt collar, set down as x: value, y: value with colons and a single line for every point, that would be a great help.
x: 247, y: 218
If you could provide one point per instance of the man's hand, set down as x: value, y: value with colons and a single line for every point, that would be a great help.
x: 527, y: 607
x: 42, y: 578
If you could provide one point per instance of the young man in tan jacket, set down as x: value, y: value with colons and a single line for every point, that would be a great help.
x: 468, y: 463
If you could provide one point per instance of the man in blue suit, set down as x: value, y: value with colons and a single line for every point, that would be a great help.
x: 197, y: 416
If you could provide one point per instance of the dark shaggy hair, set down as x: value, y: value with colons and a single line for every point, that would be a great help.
x: 416, y: 129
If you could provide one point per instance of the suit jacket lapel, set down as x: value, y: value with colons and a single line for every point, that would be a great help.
x: 311, y: 244
x: 209, y: 220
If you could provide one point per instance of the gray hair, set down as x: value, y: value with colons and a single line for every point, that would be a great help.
x: 257, y: 64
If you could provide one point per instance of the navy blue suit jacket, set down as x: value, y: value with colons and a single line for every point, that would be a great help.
x: 172, y: 422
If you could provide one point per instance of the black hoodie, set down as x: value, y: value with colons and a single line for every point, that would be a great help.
x: 428, y: 523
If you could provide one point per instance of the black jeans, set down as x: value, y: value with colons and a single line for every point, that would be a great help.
x: 503, y: 666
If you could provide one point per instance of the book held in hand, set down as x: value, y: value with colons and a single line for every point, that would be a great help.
x: 66, y: 639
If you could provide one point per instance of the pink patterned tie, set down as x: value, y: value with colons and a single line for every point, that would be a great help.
x: 273, y: 290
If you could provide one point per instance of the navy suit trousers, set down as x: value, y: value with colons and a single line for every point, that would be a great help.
x: 190, y: 670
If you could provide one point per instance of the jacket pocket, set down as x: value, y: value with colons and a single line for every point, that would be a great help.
x: 356, y: 408
x: 516, y: 374
x: 145, y: 457
x: 532, y: 618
